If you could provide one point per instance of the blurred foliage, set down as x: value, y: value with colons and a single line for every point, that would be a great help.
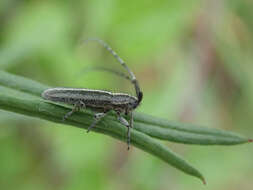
x: 193, y: 60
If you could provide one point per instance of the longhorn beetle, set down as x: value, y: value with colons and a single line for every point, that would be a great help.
x: 103, y: 101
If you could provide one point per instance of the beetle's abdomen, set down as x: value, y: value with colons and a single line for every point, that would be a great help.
x: 70, y: 95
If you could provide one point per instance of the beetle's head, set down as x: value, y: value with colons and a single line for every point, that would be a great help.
x: 134, y: 102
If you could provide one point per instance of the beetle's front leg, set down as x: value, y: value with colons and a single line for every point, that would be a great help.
x: 124, y: 122
x: 77, y: 106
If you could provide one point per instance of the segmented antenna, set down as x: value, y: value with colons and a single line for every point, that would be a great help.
x: 132, y: 76
x: 112, y: 71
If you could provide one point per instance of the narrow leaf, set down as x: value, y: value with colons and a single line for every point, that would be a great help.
x: 30, y: 105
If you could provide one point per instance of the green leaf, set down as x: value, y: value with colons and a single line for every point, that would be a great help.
x: 27, y: 104
x: 155, y: 127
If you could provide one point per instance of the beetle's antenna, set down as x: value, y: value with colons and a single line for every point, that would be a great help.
x: 133, y: 78
x: 112, y: 71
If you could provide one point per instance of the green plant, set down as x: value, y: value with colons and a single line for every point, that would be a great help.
x: 21, y: 95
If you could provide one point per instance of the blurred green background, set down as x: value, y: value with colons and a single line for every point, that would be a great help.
x: 193, y: 60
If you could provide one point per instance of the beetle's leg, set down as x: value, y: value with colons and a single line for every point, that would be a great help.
x: 97, y: 118
x: 131, y: 119
x: 126, y: 112
x: 78, y: 105
x: 124, y: 122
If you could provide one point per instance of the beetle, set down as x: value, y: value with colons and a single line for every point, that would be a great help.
x: 104, y: 101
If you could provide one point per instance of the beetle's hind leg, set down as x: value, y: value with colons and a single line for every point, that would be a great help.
x: 97, y: 118
x: 77, y: 106
x: 124, y: 122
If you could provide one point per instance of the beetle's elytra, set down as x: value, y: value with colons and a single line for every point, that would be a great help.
x: 100, y: 100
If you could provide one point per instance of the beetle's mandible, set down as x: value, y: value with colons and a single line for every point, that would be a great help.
x: 100, y: 100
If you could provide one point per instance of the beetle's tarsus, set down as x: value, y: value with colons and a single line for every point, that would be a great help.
x: 128, y: 137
